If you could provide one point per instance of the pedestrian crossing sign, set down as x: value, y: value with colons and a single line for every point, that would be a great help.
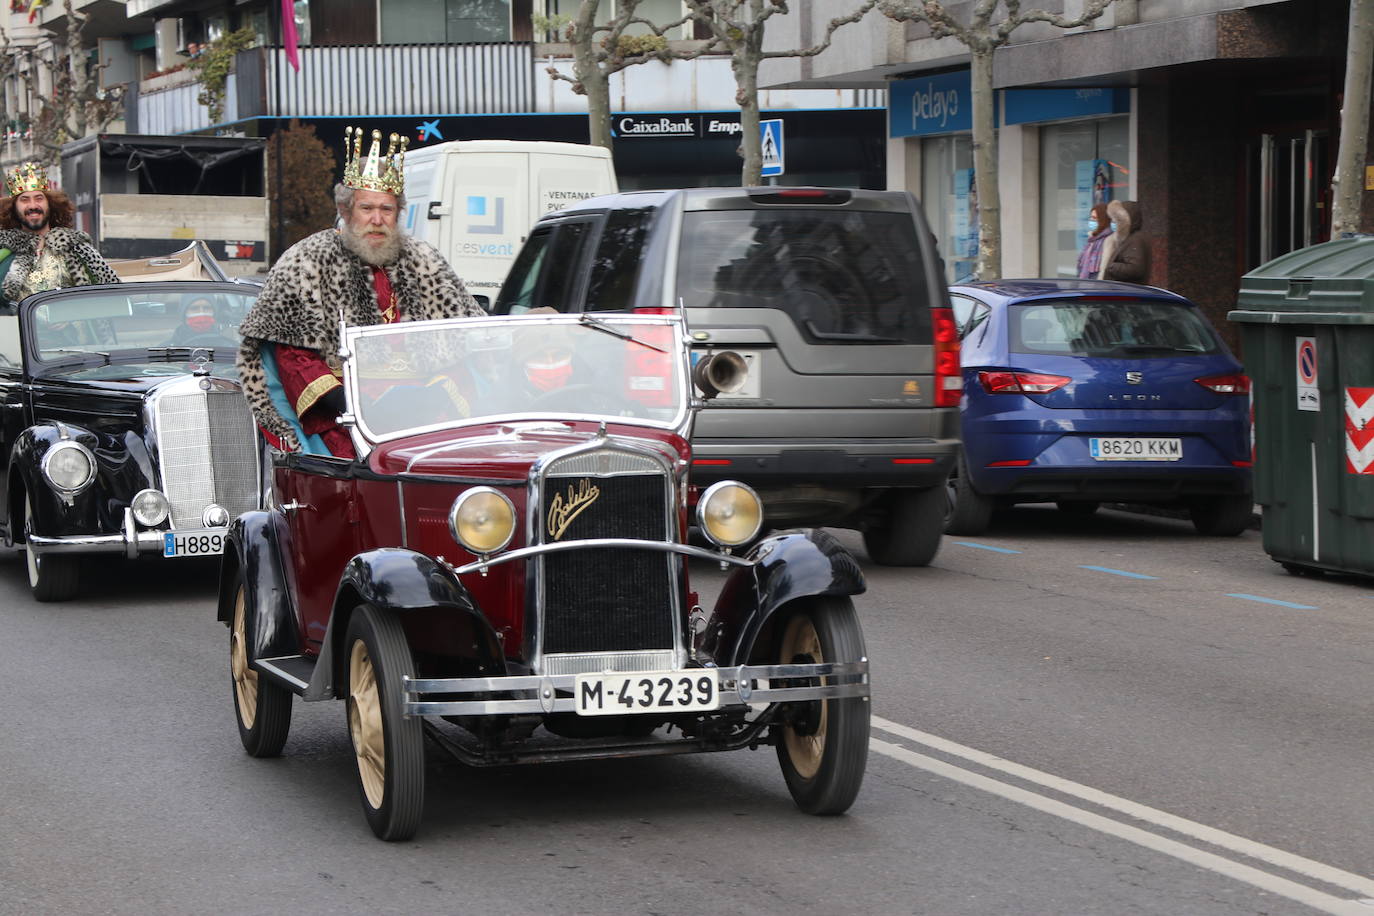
x: 770, y: 133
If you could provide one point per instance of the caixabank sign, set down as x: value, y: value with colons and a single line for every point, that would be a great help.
x: 681, y: 125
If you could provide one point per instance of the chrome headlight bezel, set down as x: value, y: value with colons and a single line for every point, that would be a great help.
x: 729, y: 490
x: 162, y: 508
x: 465, y: 501
x: 58, y: 451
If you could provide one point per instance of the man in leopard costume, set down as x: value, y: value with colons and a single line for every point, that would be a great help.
x: 39, y: 248
x: 366, y: 272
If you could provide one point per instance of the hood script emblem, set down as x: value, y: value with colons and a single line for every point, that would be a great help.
x: 563, y: 511
x: 1135, y: 378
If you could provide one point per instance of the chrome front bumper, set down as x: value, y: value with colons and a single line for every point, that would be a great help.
x: 130, y: 541
x: 541, y: 694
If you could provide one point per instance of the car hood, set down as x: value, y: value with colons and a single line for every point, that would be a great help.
x: 505, y: 452
x: 134, y: 377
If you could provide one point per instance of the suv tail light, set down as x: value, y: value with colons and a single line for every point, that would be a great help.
x: 1007, y: 381
x: 799, y: 195
x: 949, y: 381
x: 1232, y: 383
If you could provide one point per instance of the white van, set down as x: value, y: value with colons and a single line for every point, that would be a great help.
x: 476, y: 200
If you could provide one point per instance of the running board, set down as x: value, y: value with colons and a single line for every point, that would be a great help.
x: 290, y: 671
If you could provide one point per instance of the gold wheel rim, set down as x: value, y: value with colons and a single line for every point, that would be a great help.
x: 365, y: 724
x: 245, y: 678
x: 806, y: 752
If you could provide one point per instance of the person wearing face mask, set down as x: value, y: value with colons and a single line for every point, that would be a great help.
x: 39, y: 248
x: 1126, y: 252
x: 1090, y: 258
x: 197, y: 320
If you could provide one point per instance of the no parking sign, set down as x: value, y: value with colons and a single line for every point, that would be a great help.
x: 1308, y: 397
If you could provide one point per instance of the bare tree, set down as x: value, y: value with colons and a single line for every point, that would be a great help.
x: 599, y: 51
x: 983, y: 35
x: 1347, y: 185
x: 737, y: 26
x: 77, y: 105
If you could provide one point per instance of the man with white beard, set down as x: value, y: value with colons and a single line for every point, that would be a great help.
x: 365, y: 271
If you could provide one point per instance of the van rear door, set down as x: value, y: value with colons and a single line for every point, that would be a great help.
x: 487, y: 195
x: 563, y: 178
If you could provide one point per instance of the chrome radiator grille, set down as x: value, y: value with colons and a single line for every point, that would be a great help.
x: 608, y: 600
x: 207, y: 448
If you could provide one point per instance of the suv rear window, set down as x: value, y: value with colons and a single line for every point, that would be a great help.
x: 842, y: 276
x: 1109, y: 328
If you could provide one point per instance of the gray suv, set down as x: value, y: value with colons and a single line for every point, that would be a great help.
x: 836, y: 300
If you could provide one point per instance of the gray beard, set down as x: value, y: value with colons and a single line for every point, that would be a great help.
x: 388, y: 253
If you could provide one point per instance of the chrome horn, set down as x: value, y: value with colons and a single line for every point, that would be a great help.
x: 720, y: 373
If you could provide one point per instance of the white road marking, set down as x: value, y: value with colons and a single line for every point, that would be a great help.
x: 1275, y: 884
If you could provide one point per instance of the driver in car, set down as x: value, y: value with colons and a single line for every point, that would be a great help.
x: 199, y: 319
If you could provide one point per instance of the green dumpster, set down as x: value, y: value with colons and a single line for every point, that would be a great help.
x: 1307, y: 328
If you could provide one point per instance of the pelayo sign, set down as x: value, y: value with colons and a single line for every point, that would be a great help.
x: 930, y: 105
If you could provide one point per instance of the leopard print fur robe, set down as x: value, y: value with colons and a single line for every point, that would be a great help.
x: 314, y: 281
x: 75, y: 247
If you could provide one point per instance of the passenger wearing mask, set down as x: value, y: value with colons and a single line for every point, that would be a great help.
x: 1126, y: 252
x: 1099, y: 229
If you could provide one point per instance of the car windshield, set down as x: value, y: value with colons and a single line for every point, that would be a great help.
x: 138, y: 323
x: 413, y: 376
x: 844, y: 277
x: 1115, y: 328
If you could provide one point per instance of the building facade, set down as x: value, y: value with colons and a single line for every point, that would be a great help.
x: 1221, y: 117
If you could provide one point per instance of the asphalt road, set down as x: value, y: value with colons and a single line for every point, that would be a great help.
x: 1072, y: 716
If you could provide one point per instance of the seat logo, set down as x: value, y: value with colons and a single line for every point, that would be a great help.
x: 563, y: 511
x: 1135, y: 378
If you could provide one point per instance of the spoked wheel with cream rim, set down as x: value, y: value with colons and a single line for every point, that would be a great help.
x: 388, y: 746
x: 261, y: 708
x: 823, y: 745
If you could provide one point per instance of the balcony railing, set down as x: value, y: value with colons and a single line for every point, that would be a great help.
x: 357, y: 81
x: 384, y: 80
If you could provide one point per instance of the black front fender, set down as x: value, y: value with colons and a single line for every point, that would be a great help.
x: 796, y: 565
x: 253, y: 555
x: 402, y: 581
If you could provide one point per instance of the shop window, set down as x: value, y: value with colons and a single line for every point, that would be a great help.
x: 1081, y: 163
x: 949, y: 194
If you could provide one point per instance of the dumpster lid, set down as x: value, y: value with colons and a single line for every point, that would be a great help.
x: 1333, y: 281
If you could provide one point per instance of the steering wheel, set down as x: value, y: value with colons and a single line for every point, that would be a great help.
x: 582, y: 398
x: 206, y: 340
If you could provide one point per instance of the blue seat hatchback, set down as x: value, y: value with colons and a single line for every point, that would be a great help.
x: 1080, y: 392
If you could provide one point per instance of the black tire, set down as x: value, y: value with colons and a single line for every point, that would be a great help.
x: 52, y: 577
x: 387, y: 746
x: 909, y: 533
x: 1078, y: 508
x: 261, y: 709
x: 823, y: 753
x: 1222, y: 516
x: 969, y: 511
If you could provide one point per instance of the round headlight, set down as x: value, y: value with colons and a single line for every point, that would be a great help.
x: 482, y: 520
x: 150, y: 508
x: 730, y: 513
x: 68, y: 466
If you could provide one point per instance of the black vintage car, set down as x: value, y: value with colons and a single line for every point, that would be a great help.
x: 124, y: 429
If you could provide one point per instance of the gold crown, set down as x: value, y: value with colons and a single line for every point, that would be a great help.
x: 27, y: 176
x: 376, y: 172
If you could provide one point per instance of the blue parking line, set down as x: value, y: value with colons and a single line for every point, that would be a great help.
x: 1118, y: 572
x: 986, y: 547
x: 1299, y: 607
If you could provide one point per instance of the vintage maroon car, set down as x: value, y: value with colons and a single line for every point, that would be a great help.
x: 505, y: 568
